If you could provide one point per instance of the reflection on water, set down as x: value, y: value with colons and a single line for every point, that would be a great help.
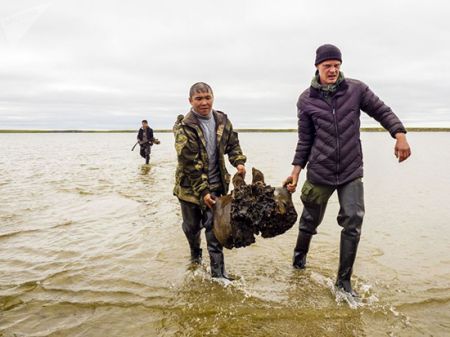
x: 91, y: 245
x: 145, y: 169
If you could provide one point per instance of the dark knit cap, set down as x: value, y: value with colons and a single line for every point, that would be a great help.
x: 327, y: 52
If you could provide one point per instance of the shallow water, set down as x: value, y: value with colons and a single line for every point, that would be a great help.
x: 91, y: 245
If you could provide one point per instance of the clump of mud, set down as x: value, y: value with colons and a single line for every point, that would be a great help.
x: 252, y: 210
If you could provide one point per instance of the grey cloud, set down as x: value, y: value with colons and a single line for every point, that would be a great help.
x: 107, y: 64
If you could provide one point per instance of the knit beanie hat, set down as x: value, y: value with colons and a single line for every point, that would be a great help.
x: 327, y: 52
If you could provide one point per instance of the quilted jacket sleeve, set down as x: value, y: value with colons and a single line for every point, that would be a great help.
x: 306, y: 134
x: 375, y: 108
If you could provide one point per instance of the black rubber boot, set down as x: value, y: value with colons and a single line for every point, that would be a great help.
x: 217, y: 264
x: 349, y: 246
x: 218, y: 268
x: 196, y: 251
x: 215, y: 251
x: 301, y: 249
x: 147, y: 159
x: 196, y: 255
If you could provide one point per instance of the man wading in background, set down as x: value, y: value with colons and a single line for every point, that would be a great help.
x: 202, y: 138
x: 145, y: 139
x: 329, y: 141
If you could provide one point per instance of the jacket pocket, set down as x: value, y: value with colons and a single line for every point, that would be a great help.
x: 316, y: 194
x: 184, y: 182
x: 306, y: 191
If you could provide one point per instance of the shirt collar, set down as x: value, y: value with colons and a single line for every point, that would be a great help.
x: 207, y: 117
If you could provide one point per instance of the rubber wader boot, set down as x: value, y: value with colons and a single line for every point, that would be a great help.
x: 147, y: 159
x: 217, y: 264
x: 349, y: 246
x: 215, y: 249
x: 311, y: 217
x: 196, y: 255
x: 301, y: 249
x: 216, y: 258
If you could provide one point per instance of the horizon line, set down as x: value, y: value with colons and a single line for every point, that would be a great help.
x: 244, y: 130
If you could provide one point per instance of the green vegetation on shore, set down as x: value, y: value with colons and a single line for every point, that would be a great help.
x: 421, y: 129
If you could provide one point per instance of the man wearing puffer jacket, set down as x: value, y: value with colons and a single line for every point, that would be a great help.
x: 329, y: 142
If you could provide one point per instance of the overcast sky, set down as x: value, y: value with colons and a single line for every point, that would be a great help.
x: 86, y: 64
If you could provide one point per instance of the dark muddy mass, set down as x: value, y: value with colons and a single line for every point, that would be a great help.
x: 254, y: 209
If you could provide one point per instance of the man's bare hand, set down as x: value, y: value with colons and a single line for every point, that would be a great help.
x: 209, y: 200
x: 402, y: 149
x: 241, y: 170
x: 292, y: 180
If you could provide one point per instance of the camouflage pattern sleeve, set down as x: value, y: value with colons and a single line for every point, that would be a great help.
x: 233, y: 149
x: 189, y: 157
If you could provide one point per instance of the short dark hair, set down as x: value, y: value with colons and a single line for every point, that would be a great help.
x: 199, y: 87
x: 144, y: 121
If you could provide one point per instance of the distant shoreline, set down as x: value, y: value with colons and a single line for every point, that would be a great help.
x: 417, y: 129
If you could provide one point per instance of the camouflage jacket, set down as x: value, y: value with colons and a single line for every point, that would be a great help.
x: 191, y: 177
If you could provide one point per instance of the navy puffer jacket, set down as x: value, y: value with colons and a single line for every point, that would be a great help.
x: 328, y: 133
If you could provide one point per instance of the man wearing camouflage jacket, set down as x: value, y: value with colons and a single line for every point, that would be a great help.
x: 202, y: 138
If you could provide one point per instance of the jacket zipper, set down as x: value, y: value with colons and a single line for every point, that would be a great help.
x: 338, y: 145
